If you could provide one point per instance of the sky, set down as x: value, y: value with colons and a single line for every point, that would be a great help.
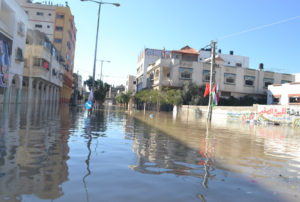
x: 172, y: 24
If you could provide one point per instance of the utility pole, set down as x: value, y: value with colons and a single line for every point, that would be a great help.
x: 213, y: 56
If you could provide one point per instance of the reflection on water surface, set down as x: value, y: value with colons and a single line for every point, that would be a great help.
x: 62, y: 154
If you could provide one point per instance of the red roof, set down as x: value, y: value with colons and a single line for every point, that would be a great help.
x: 187, y: 50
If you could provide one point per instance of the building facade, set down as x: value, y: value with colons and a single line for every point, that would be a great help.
x: 130, y: 84
x: 57, y: 22
x: 13, y: 26
x: 284, y: 94
x: 232, y: 74
x: 43, y: 70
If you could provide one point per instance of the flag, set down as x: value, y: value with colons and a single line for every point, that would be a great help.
x: 217, y: 93
x: 216, y: 98
x: 91, y: 96
x: 206, y: 90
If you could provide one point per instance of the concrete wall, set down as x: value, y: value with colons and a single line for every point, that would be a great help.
x: 259, y: 114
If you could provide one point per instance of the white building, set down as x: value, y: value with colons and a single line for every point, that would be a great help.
x: 40, y: 16
x: 147, y: 57
x: 284, y: 94
x: 130, y: 84
x: 13, y: 26
x: 238, y: 81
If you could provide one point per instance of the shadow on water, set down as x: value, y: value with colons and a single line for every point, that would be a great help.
x: 33, y: 153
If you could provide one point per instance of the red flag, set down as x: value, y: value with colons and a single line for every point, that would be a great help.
x: 206, y: 90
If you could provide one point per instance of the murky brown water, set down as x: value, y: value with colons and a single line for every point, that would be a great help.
x: 60, y: 154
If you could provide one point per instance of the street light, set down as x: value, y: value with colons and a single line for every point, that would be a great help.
x: 95, y: 57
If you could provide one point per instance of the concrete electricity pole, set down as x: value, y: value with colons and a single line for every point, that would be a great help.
x: 213, y: 56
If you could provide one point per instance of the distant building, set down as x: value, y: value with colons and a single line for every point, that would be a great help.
x: 146, y: 58
x: 112, y: 94
x: 43, y: 70
x: 130, y: 84
x: 13, y: 26
x: 284, y: 94
x: 234, y: 79
x: 57, y: 22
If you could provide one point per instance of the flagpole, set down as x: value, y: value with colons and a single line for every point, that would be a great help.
x: 213, y: 55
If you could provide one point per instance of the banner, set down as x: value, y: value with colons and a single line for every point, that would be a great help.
x: 4, y: 62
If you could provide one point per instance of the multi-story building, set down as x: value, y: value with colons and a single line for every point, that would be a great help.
x: 147, y: 57
x: 130, y: 84
x: 43, y: 70
x: 40, y: 16
x: 13, y: 26
x: 232, y: 74
x: 57, y: 22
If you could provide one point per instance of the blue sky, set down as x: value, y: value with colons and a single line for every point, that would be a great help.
x: 137, y: 24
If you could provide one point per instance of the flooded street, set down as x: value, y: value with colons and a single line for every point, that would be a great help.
x: 62, y: 154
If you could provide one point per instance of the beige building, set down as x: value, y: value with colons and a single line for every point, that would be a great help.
x: 57, y: 22
x: 238, y: 81
x: 43, y: 70
x: 13, y: 26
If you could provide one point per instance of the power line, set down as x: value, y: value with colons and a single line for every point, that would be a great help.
x: 260, y: 27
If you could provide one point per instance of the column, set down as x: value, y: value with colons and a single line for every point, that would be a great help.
x: 29, y: 91
x: 7, y: 95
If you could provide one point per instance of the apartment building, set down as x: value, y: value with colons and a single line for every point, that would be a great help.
x: 57, y: 22
x: 232, y: 74
x: 43, y: 70
x: 13, y: 26
x: 147, y: 57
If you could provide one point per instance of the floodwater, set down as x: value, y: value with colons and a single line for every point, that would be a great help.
x: 62, y: 154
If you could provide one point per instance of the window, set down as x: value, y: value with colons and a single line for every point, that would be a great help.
x: 69, y: 45
x: 38, y: 26
x: 40, y: 13
x: 57, y: 28
x: 70, y: 35
x: 67, y: 68
x: 276, y: 100
x: 49, y: 14
x: 285, y: 81
x: 185, y: 73
x: 156, y: 73
x: 225, y: 94
x: 238, y: 64
x: 48, y: 26
x: 19, y: 55
x: 21, y: 29
x: 60, y: 16
x: 294, y: 99
x: 249, y: 80
x: 268, y: 81
x: 56, y: 40
x: 229, y: 78
x: 37, y: 62
x: 206, y: 75
x: 27, y: 12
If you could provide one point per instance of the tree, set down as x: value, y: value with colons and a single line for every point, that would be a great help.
x: 100, y: 89
x: 193, y: 94
x: 123, y: 98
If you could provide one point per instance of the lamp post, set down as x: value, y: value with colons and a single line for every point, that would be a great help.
x: 95, y: 57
